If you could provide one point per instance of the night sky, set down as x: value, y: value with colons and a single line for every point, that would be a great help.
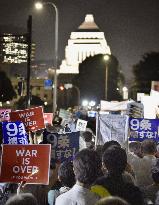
x: 131, y: 27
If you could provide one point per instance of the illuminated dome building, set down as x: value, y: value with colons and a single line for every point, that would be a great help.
x: 87, y: 41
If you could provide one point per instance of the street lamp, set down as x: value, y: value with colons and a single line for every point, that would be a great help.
x: 106, y: 59
x: 39, y: 5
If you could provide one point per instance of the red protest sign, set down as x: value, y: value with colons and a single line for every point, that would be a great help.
x: 25, y: 163
x: 32, y: 118
x: 48, y: 118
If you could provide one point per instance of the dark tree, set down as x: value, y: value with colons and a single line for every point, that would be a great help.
x: 6, y: 89
x: 145, y: 71
x: 91, y: 78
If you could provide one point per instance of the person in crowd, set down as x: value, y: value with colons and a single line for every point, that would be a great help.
x: 142, y: 167
x: 128, y: 174
x: 86, y: 166
x: 67, y: 180
x: 86, y: 140
x: 115, y: 161
x: 112, y: 200
x: 151, y: 190
x: 22, y: 199
x: 134, y: 152
x: 157, y: 199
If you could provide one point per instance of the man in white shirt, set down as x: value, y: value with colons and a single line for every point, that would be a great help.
x: 142, y: 167
x: 86, y: 168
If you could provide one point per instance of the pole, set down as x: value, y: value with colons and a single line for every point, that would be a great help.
x: 29, y: 41
x: 106, y: 82
x: 55, y: 55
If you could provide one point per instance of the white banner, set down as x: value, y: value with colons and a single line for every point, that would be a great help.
x: 113, y: 106
x: 112, y: 127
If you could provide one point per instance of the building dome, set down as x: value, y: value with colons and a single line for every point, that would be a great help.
x: 88, y: 24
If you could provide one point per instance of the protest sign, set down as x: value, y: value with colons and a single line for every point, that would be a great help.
x: 113, y: 106
x: 141, y: 129
x: 64, y: 146
x: 48, y: 117
x: 81, y: 125
x: 32, y: 118
x: 25, y: 163
x: 14, y: 133
x: 135, y: 110
x: 4, y: 115
x: 111, y: 127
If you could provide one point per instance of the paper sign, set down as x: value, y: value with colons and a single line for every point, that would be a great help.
x: 32, y: 118
x: 14, y: 133
x: 48, y: 117
x: 25, y: 163
x: 141, y: 129
x: 4, y: 115
x: 64, y: 146
x: 81, y: 125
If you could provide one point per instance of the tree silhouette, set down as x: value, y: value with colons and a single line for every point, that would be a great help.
x: 145, y: 71
x: 91, y: 78
x: 6, y: 89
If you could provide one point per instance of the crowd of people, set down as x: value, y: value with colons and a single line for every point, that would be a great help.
x: 106, y: 174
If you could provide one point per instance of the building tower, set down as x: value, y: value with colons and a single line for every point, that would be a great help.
x: 87, y: 41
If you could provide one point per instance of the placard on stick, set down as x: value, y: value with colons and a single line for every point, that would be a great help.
x: 25, y: 163
x: 32, y: 118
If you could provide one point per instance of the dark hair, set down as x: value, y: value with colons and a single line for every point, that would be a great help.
x: 148, y: 147
x: 66, y: 174
x: 87, y: 166
x: 134, y: 146
x: 87, y: 136
x: 112, y: 200
x: 109, y: 144
x: 22, y: 199
x: 115, y: 160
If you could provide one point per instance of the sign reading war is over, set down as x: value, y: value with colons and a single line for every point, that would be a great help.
x: 64, y: 146
x: 25, y: 163
x: 14, y: 133
x: 32, y: 118
x: 141, y: 129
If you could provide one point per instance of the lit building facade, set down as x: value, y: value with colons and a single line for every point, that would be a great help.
x: 87, y: 41
x: 14, y: 49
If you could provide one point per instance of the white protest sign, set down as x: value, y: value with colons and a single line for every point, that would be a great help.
x: 81, y: 125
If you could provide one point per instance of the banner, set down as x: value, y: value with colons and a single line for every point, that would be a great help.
x: 111, y: 127
x: 64, y: 146
x: 81, y: 125
x: 113, y: 106
x: 25, y: 163
x: 14, y: 133
x: 48, y: 117
x: 4, y: 115
x: 32, y: 118
x: 141, y: 129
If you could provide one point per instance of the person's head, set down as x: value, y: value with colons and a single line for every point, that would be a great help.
x: 115, y: 160
x: 135, y: 147
x: 87, y: 136
x: 155, y: 172
x: 22, y: 199
x: 148, y: 147
x: 87, y: 166
x: 57, y: 120
x: 66, y: 174
x: 109, y: 144
x: 111, y: 200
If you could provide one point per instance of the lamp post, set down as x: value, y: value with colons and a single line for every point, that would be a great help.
x: 106, y: 59
x: 39, y: 5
